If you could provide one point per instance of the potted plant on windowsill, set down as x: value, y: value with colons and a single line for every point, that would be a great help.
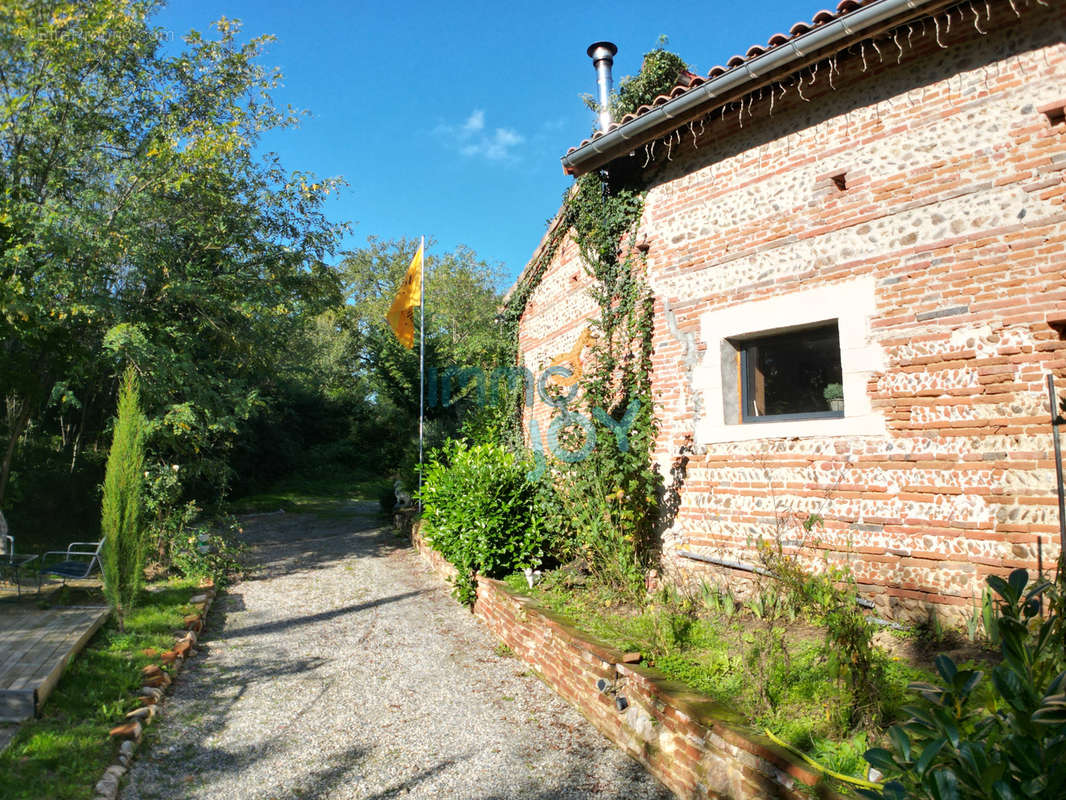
x: 834, y: 395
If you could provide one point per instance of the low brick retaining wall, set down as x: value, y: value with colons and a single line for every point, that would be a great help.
x: 695, y: 746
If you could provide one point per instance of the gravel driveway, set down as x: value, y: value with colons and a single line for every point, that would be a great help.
x: 343, y: 669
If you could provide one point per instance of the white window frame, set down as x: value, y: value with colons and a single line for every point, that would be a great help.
x: 852, y: 304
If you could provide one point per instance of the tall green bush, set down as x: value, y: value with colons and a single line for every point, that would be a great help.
x: 121, y: 524
x: 479, y: 512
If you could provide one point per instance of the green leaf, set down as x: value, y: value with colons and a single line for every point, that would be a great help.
x: 966, y: 680
x: 990, y: 776
x: 881, y: 759
x: 900, y: 741
x: 1002, y: 588
x: 929, y: 691
x: 1018, y: 580
x: 929, y: 752
x: 946, y: 667
x: 945, y: 784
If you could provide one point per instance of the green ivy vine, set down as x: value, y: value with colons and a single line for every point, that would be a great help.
x: 604, y: 504
x: 608, y: 500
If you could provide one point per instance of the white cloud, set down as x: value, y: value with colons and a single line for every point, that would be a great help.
x: 475, y: 122
x: 473, y: 140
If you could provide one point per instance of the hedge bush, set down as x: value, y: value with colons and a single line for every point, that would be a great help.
x: 478, y: 511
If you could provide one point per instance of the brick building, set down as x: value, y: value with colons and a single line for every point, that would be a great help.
x: 873, y: 201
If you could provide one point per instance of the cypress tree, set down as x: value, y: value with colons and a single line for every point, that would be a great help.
x: 123, y: 551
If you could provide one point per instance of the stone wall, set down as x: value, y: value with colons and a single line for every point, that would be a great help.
x: 696, y: 747
x: 949, y: 230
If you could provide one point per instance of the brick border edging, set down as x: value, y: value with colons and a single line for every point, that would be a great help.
x: 155, y: 680
x: 697, y: 747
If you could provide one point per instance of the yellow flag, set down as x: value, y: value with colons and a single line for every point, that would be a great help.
x: 401, y: 316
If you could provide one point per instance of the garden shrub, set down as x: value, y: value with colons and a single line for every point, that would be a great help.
x: 1002, y: 739
x: 478, y: 511
x: 177, y: 536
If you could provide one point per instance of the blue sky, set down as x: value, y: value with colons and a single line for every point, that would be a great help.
x: 448, y: 119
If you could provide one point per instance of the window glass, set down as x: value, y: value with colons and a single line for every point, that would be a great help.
x: 792, y: 374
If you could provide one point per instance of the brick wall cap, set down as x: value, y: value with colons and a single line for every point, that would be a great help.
x: 560, y: 624
x: 680, y: 695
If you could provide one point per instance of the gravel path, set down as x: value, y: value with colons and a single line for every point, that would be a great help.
x: 344, y: 670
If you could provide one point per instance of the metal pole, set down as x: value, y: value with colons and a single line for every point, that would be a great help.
x: 421, y: 361
x: 1056, y: 420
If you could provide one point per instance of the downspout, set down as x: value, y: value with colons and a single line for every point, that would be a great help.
x: 731, y: 564
x: 724, y: 562
x: 788, y: 57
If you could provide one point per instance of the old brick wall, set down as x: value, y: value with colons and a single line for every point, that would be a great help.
x: 954, y: 215
x: 696, y: 747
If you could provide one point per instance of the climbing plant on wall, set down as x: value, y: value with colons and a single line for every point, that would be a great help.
x: 606, y: 495
x: 616, y: 476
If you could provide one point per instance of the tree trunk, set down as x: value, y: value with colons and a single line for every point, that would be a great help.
x: 21, y: 420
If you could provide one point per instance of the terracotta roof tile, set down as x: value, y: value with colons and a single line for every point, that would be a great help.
x: 688, y: 80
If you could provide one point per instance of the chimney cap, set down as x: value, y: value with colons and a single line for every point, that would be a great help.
x: 595, y: 47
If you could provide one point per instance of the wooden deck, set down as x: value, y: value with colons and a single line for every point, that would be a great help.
x: 35, y: 647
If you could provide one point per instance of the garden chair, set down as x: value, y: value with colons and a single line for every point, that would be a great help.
x: 79, y: 561
x: 9, y: 559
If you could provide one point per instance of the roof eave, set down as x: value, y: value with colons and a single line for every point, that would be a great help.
x: 757, y: 71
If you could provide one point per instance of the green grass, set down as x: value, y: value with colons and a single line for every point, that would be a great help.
x: 62, y: 754
x: 323, y: 495
x: 724, y: 657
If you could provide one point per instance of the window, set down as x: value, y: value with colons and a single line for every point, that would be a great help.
x: 795, y: 364
x: 791, y: 375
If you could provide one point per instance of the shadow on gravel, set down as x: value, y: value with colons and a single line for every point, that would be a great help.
x: 405, y: 786
x: 623, y: 783
x: 310, y: 619
x: 284, y: 543
x: 320, y: 784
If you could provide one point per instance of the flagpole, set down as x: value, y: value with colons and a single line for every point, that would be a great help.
x: 421, y: 361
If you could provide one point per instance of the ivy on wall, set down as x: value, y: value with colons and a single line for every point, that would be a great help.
x: 608, y: 498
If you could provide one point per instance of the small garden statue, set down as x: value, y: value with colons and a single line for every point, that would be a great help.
x: 403, y: 497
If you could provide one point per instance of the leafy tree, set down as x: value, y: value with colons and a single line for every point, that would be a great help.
x: 122, y: 557
x: 138, y: 226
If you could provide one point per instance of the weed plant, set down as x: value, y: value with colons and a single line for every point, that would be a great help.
x: 775, y: 669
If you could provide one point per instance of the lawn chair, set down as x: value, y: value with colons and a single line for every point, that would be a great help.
x: 10, y: 561
x: 79, y: 561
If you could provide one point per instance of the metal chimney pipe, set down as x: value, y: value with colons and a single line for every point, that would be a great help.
x: 602, y: 55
